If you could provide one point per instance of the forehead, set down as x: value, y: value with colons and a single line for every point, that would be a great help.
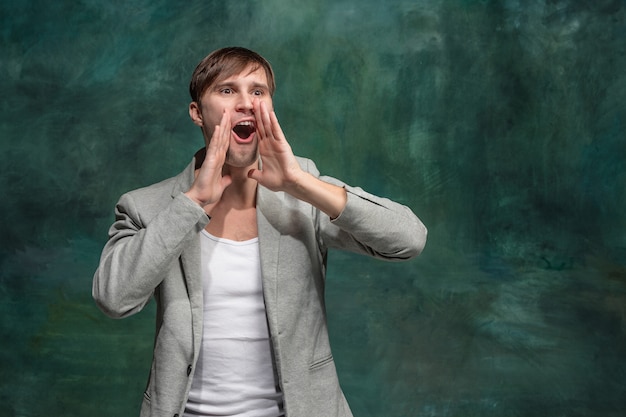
x: 251, y: 74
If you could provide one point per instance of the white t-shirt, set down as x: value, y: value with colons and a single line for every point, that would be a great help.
x: 234, y: 375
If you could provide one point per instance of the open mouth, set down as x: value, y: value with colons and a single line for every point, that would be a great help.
x: 244, y: 129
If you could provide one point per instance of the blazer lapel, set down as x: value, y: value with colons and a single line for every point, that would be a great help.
x: 268, y: 218
x: 190, y: 259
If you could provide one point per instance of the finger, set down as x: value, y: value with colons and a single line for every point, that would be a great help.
x: 225, y: 181
x: 261, y: 125
x: 278, y: 131
x: 224, y: 130
x: 254, y: 174
x: 218, y: 145
x: 270, y: 123
x: 267, y: 122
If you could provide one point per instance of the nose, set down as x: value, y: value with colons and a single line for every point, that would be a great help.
x: 244, y: 104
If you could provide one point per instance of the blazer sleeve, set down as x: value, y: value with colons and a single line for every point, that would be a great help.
x: 372, y: 225
x: 141, y: 249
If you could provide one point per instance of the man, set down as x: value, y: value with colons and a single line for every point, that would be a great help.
x: 234, y: 251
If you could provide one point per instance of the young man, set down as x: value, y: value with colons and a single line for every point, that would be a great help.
x: 234, y: 251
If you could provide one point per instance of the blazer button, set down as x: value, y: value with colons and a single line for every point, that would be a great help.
x: 189, y: 370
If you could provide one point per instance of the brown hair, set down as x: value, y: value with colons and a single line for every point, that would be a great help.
x: 224, y: 63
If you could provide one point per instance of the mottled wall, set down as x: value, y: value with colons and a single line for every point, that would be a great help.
x: 501, y: 123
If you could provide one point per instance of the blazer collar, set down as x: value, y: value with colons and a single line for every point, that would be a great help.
x: 183, y: 181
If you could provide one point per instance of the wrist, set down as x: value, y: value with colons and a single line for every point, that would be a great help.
x: 190, y: 195
x: 329, y: 198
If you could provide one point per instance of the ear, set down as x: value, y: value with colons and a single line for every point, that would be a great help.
x: 195, y: 113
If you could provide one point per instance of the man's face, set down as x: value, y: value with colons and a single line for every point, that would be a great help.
x: 234, y: 95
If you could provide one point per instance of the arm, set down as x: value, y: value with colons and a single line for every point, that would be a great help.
x: 148, y: 236
x: 137, y: 256
x: 281, y: 171
x: 374, y: 226
x: 358, y: 221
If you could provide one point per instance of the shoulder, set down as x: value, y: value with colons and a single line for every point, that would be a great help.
x: 149, y: 200
x: 164, y: 189
x: 156, y: 189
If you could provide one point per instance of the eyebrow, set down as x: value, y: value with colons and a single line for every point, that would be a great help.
x: 232, y: 84
x: 261, y: 85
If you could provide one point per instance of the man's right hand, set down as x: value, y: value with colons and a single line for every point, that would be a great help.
x: 210, y: 182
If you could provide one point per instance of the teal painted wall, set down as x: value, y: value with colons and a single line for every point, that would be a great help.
x: 501, y: 123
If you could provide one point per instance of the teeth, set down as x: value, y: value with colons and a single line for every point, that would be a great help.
x: 244, y: 129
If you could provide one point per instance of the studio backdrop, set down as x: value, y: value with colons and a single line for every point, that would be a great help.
x: 501, y: 123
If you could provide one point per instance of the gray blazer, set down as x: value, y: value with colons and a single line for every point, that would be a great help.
x: 154, y: 250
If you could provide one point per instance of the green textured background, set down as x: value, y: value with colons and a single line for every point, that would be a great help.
x: 501, y: 123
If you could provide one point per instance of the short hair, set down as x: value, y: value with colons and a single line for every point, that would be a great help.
x: 224, y: 63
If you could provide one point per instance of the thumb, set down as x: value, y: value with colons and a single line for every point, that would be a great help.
x: 225, y: 181
x: 255, y: 174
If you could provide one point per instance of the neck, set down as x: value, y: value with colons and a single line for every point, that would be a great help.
x: 241, y: 193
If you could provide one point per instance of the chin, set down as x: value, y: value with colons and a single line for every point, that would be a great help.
x: 241, y: 161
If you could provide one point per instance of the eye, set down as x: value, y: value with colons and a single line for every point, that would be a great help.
x: 226, y: 90
x: 258, y: 92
